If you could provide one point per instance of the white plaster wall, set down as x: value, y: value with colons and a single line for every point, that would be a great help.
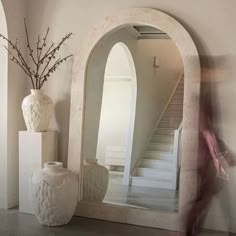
x: 115, y: 114
x: 118, y: 64
x: 16, y: 87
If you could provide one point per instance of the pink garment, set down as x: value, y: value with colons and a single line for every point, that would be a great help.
x: 213, y: 147
x: 207, y: 184
x: 211, y: 144
x: 209, y: 168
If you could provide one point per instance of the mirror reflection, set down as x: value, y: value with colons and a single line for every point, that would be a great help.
x: 133, y: 117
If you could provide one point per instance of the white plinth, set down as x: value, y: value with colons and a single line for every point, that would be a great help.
x: 35, y: 148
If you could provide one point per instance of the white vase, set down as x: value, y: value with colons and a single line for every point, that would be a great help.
x: 55, y: 194
x: 95, y: 181
x: 37, y: 111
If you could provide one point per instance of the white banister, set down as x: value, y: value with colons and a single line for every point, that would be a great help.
x: 176, y: 153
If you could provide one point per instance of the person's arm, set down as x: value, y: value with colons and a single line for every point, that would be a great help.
x: 214, y: 150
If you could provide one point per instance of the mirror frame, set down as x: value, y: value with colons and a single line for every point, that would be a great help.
x: 190, y: 57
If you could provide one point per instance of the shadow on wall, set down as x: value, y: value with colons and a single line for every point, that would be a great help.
x: 61, y: 118
x: 3, y: 112
x: 62, y: 111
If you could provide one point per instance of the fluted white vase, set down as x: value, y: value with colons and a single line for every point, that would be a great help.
x: 55, y: 194
x: 37, y: 111
x: 95, y: 181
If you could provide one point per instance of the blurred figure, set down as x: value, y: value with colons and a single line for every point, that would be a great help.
x: 213, y: 158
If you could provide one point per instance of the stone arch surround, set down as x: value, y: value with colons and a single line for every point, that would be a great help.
x: 189, y: 54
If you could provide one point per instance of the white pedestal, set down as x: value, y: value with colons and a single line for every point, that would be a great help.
x: 35, y: 148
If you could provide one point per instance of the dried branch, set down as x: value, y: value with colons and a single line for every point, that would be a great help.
x: 15, y: 48
x: 38, y: 42
x: 44, y: 43
x: 41, y: 70
x: 46, y: 66
x: 57, y: 48
x: 52, y: 46
x: 28, y: 44
x: 14, y: 59
x: 53, y: 69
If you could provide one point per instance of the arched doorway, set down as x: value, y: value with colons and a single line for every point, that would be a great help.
x: 3, y: 112
x: 117, y: 118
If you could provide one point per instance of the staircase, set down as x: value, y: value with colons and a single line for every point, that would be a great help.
x: 158, y: 167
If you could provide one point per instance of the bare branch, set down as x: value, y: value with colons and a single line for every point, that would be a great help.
x: 44, y: 43
x: 28, y: 44
x: 52, y: 46
x: 38, y: 42
x: 46, y: 66
x: 41, y: 59
x: 53, y: 69
x: 14, y: 59
x: 14, y: 47
x: 57, y: 48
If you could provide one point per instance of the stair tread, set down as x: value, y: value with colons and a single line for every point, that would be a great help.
x: 156, y: 166
x: 165, y: 128
x: 153, y: 179
x: 151, y: 169
x: 159, y: 160
x: 160, y: 151
x: 160, y: 143
x: 171, y: 115
x: 167, y: 157
x: 164, y: 142
x: 161, y: 130
x: 172, y: 120
x: 175, y: 119
x: 159, y: 168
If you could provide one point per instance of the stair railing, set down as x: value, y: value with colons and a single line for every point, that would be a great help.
x: 157, y: 123
x: 177, y: 153
x: 181, y: 77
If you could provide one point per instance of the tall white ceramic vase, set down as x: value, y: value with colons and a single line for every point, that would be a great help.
x: 55, y: 194
x: 95, y: 181
x: 37, y: 111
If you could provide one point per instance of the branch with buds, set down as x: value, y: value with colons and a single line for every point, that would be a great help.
x: 44, y: 58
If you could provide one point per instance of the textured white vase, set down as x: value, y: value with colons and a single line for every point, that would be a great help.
x: 55, y: 194
x: 37, y: 111
x: 95, y: 181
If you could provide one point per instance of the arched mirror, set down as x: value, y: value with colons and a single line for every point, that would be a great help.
x: 133, y: 128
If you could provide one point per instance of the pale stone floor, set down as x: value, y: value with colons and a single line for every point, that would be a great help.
x: 13, y: 223
x: 142, y: 197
